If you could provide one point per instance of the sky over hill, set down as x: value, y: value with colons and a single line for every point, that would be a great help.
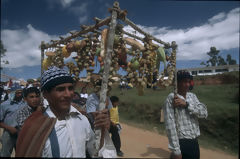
x: 194, y: 25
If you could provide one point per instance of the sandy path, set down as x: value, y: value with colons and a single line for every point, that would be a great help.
x: 138, y: 143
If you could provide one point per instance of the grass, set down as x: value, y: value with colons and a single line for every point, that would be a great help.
x: 219, y: 130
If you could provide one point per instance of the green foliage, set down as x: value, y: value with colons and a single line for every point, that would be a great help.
x: 230, y: 61
x: 2, y: 53
x: 220, y: 129
x: 213, y: 53
x: 217, y: 60
x: 2, y: 50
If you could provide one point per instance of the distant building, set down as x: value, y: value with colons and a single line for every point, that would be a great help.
x: 212, y: 70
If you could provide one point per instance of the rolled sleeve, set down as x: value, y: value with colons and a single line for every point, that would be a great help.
x: 196, y: 108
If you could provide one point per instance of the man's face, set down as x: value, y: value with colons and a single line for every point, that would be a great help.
x: 60, y: 97
x: 18, y: 94
x: 184, y: 84
x: 33, y: 99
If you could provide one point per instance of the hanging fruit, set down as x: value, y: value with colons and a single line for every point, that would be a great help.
x: 46, y: 63
x: 65, y: 53
x: 104, y: 42
x: 50, y: 53
x: 134, y: 43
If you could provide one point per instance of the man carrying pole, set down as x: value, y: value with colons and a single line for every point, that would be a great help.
x: 181, y: 112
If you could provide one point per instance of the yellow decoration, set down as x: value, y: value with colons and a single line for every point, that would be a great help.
x: 65, y: 53
x: 46, y: 63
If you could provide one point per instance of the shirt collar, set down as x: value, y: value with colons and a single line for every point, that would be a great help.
x: 30, y: 108
x: 72, y: 112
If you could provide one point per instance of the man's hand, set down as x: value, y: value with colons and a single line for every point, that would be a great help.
x: 177, y: 156
x: 178, y: 102
x: 102, y: 119
x: 12, y: 130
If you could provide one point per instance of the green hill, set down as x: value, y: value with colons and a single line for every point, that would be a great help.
x: 220, y: 129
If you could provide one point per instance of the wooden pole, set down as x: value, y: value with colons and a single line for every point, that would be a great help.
x: 42, y: 56
x: 85, y: 30
x: 107, y: 64
x: 127, y: 21
x: 174, y: 50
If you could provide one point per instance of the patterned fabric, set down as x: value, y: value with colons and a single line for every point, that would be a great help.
x: 54, y: 76
x: 183, y: 123
x: 22, y: 115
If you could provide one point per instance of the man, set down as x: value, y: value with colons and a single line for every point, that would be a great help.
x: 93, y: 101
x: 181, y: 113
x: 61, y: 131
x: 32, y: 99
x: 8, y: 110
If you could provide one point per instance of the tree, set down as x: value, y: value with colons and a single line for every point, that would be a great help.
x: 213, y: 53
x: 215, y: 59
x: 202, y: 63
x: 221, y: 61
x: 2, y: 53
x: 230, y: 61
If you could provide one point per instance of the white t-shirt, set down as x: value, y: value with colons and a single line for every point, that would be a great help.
x: 84, y: 95
x: 74, y: 136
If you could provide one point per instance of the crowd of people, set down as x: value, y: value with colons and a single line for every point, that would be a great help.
x: 51, y: 119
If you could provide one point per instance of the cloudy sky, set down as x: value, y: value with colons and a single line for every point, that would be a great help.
x: 195, y: 26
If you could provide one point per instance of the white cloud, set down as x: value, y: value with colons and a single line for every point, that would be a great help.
x: 23, y: 46
x: 221, y: 31
x: 83, y: 19
x: 66, y: 3
x: 82, y: 9
x: 55, y: 3
x: 79, y: 10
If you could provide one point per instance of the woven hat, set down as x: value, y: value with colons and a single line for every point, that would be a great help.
x: 53, y: 77
x: 182, y: 74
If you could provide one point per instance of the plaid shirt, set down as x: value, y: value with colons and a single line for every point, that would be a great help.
x: 22, y: 115
x: 182, y: 123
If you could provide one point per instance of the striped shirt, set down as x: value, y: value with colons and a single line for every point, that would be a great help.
x: 183, y: 124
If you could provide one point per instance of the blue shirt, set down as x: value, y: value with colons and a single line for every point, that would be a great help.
x: 8, y: 112
x: 92, y: 104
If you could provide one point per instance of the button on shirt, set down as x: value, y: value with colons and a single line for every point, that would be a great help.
x: 74, y: 135
x: 8, y: 112
x: 183, y: 124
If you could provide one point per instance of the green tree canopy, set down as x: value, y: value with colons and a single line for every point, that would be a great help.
x: 2, y: 53
x: 230, y: 61
x: 215, y: 59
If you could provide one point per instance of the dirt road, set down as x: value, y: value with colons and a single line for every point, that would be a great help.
x: 138, y: 143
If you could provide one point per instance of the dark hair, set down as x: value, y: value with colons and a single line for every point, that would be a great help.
x: 183, y: 75
x: 114, y: 99
x: 29, y: 90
